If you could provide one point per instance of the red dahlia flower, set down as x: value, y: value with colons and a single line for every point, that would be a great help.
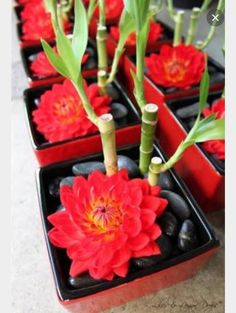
x: 113, y: 8
x: 155, y: 33
x: 181, y: 66
x: 37, y: 22
x: 60, y: 114
x: 42, y: 67
x: 216, y: 147
x: 106, y: 222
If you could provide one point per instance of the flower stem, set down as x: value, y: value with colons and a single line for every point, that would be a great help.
x: 148, y: 127
x: 102, y: 79
x: 106, y: 127
x: 179, y: 21
x: 154, y: 171
x: 205, y: 43
x: 193, y: 26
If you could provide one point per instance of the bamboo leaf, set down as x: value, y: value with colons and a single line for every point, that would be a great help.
x: 51, y: 7
x: 214, y: 130
x: 80, y: 33
x: 138, y: 10
x: 65, y: 50
x: 204, y: 89
x: 55, y: 59
x: 126, y: 26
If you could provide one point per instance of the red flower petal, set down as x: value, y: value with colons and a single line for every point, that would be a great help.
x: 122, y: 270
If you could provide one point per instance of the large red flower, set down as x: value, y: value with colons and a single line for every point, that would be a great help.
x: 155, y: 33
x: 181, y: 66
x: 37, y: 22
x: 113, y: 8
x: 106, y: 222
x: 60, y: 114
x: 42, y: 67
x: 216, y: 147
x: 24, y: 2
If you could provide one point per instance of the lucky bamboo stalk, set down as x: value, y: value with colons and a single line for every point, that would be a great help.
x: 179, y: 22
x: 148, y: 127
x: 102, y: 37
x: 106, y: 127
x: 154, y: 171
x: 102, y: 81
x: 203, y: 44
x: 91, y: 8
x: 193, y: 26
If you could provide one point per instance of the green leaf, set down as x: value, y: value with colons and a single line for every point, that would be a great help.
x: 65, y: 50
x: 80, y: 33
x: 126, y: 26
x: 51, y: 7
x: 55, y: 60
x: 138, y: 10
x: 91, y: 8
x: 214, y: 130
x: 204, y: 89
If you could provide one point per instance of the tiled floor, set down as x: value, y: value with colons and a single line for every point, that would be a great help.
x: 32, y: 283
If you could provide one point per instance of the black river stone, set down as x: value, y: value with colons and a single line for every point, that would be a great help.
x: 176, y: 204
x: 129, y: 164
x: 169, y: 224
x: 85, y: 168
x: 113, y: 92
x: 67, y: 181
x: 187, y: 239
x: 118, y: 110
x: 54, y: 187
x: 190, y: 110
x: 84, y: 280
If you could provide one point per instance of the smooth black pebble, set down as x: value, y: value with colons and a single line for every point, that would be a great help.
x: 82, y: 281
x: 60, y: 208
x: 54, y: 187
x: 118, y: 111
x: 90, y: 64
x: 190, y: 110
x: 90, y: 51
x: 217, y: 77
x: 169, y: 224
x: 125, y: 162
x: 187, y: 239
x: 84, y: 169
x: 170, y: 90
x: 176, y: 204
x: 36, y: 101
x: 165, y: 245
x: 113, y: 92
x: 166, y: 182
x: 32, y: 57
x: 68, y: 181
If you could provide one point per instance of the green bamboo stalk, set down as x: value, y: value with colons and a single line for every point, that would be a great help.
x: 203, y: 44
x: 193, y: 26
x: 91, y: 8
x: 101, y: 47
x: 148, y: 127
x: 102, y: 82
x: 179, y: 22
x: 170, y: 9
x: 204, y: 5
x: 66, y: 5
x: 154, y: 171
x: 106, y: 126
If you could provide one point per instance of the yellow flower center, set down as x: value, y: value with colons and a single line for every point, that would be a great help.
x: 67, y: 110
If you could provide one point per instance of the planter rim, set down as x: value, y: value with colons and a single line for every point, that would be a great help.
x: 65, y: 294
x: 47, y: 145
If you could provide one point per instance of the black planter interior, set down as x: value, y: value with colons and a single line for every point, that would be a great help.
x: 32, y: 96
x: 187, y: 4
x: 59, y: 261
x: 174, y: 105
x: 28, y: 53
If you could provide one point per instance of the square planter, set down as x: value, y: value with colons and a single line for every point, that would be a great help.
x: 209, y: 191
x: 139, y: 282
x: 202, y: 172
x: 217, y: 80
x: 28, y: 54
x: 127, y: 132
x: 17, y: 9
x: 131, y: 49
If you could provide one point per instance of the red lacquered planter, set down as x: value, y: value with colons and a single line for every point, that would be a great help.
x: 203, y: 179
x: 167, y: 94
x: 35, y: 81
x: 47, y: 153
x: 131, y: 49
x: 137, y: 284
